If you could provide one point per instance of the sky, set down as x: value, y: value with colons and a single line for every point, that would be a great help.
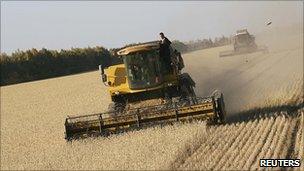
x: 62, y: 25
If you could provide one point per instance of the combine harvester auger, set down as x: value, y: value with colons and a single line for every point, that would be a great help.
x: 148, y: 72
x: 243, y: 42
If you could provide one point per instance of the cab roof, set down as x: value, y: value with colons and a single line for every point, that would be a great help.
x: 243, y: 31
x: 139, y: 47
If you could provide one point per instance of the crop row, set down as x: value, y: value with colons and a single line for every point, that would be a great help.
x: 240, y: 146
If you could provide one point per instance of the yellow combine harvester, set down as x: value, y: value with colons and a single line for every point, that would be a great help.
x: 243, y: 42
x: 150, y: 71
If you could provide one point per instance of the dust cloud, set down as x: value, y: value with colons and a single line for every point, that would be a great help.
x: 256, y: 79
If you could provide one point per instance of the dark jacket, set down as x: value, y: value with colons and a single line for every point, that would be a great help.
x: 166, y: 42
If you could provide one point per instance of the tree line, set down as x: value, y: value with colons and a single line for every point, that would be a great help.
x: 201, y: 44
x: 33, y: 64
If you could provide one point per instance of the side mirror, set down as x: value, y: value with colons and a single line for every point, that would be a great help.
x: 101, y: 69
x: 114, y: 53
x: 103, y: 75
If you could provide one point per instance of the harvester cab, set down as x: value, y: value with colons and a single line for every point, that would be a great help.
x: 148, y: 74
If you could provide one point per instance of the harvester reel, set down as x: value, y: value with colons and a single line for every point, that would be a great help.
x: 103, y: 124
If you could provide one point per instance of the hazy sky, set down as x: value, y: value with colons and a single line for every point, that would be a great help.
x: 62, y: 25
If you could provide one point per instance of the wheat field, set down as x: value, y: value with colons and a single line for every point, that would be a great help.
x: 264, y: 100
x: 275, y: 135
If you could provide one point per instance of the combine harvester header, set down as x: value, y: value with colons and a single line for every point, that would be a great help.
x: 209, y: 108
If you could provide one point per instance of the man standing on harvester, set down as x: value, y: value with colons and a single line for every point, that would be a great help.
x: 164, y: 40
x: 164, y: 51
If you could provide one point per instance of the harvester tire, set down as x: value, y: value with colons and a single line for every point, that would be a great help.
x: 220, y: 107
x: 118, y: 107
x: 111, y: 107
x: 187, y: 91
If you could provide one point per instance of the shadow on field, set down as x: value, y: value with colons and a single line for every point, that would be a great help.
x: 256, y: 113
x: 239, y: 53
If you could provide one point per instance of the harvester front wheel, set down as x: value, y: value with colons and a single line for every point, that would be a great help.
x: 118, y: 107
x: 187, y: 95
x: 187, y: 91
x: 219, y: 107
